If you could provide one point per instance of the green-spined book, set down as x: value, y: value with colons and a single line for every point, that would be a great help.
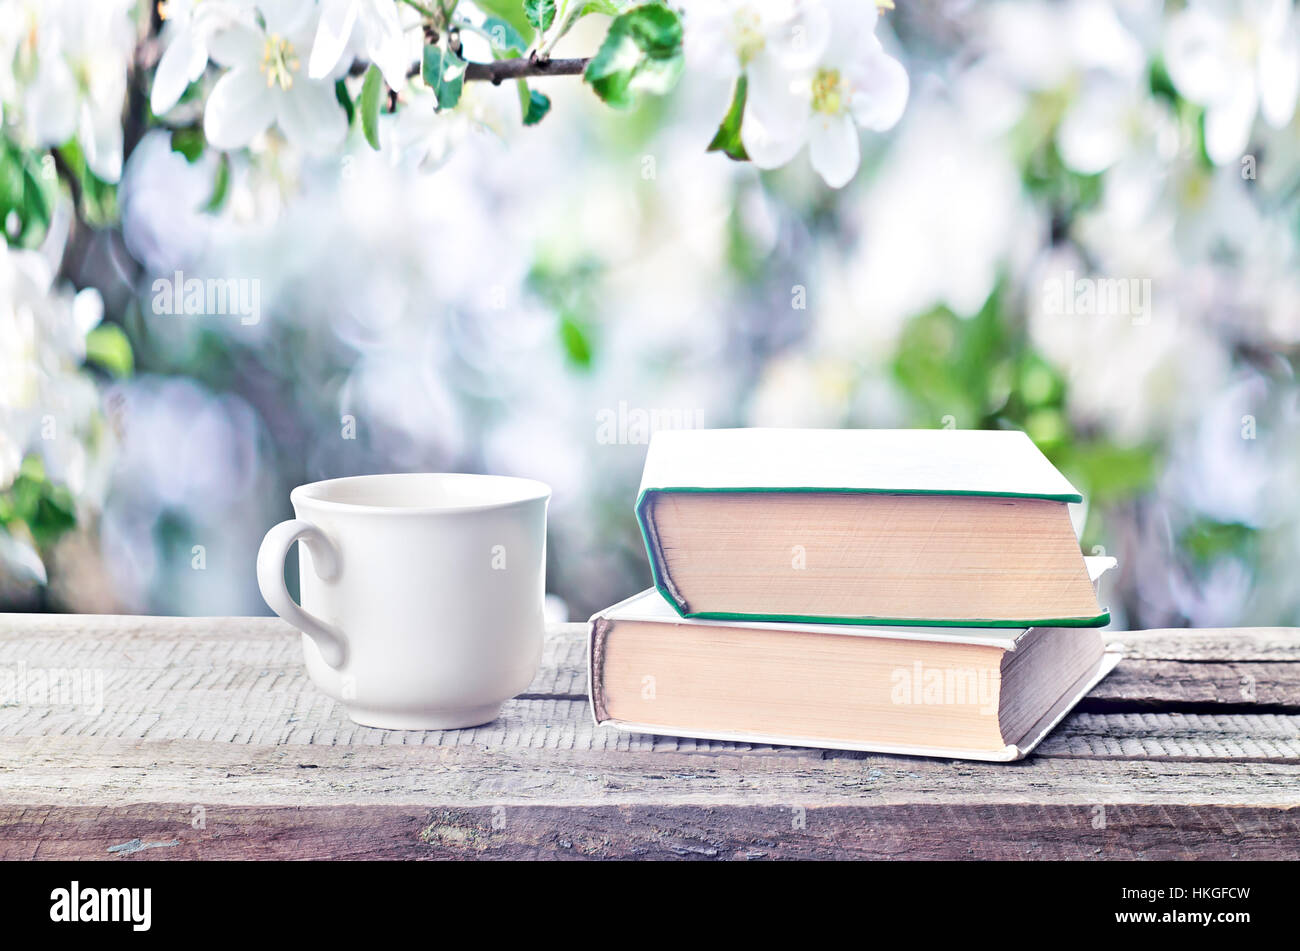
x: 862, y: 526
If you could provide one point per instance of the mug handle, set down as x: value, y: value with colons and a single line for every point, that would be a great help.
x: 270, y: 578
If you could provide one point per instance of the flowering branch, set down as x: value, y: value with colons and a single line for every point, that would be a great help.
x: 522, y: 68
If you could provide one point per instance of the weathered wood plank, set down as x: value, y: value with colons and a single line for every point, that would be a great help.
x: 240, y: 681
x: 150, y: 832
x: 1226, y: 644
x: 244, y: 706
x: 1191, y: 747
x: 1202, y: 685
x: 1184, y: 736
x: 218, y: 660
x: 213, y: 653
x: 68, y: 771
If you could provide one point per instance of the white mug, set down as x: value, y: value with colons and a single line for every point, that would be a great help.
x: 421, y: 594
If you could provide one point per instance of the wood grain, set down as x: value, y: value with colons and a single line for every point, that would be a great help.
x: 70, y: 771
x: 1191, y: 747
x: 685, y: 832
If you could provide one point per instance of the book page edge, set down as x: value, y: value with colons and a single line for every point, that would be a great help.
x: 1110, y: 658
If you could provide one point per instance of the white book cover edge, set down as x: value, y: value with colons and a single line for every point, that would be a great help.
x: 933, y: 461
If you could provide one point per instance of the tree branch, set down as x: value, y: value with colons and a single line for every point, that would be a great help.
x: 69, y: 176
x: 523, y: 68
x: 147, y: 53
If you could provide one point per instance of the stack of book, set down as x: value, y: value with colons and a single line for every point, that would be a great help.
x: 905, y: 591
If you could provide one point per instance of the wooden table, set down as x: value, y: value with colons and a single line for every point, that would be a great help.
x: 212, y: 743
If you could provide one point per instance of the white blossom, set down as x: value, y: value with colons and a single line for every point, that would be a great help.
x: 188, y: 26
x: 266, y: 83
x: 724, y: 39
x: 422, y: 136
x: 373, y: 25
x: 850, y: 83
x: 1236, y: 59
x: 71, y: 63
x: 47, y: 403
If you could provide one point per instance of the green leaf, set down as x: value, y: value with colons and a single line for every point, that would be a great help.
x: 45, y: 509
x: 35, y: 510
x: 1207, y: 540
x: 577, y: 345
x: 28, y: 186
x: 1161, y: 86
x: 98, y: 198
x: 540, y: 13
x: 32, y: 468
x: 372, y: 91
x: 535, y: 104
x: 641, y: 53
x: 220, y: 186
x: 1111, y: 473
x: 504, y: 37
x: 727, y: 139
x: 107, y: 346
x: 188, y: 142
x: 36, y: 203
x: 444, y: 73
x: 571, y: 11
x: 341, y: 94
x: 56, y: 514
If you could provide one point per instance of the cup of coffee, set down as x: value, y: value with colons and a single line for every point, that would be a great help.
x: 421, y: 594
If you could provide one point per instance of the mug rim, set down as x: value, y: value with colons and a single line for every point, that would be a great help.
x: 531, y: 490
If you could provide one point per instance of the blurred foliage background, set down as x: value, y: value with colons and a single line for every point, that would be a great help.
x: 497, y: 313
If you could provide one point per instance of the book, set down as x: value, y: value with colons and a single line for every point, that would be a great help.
x: 966, y: 693
x: 913, y: 527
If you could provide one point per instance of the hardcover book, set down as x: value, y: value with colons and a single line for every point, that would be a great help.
x: 912, y: 527
x: 969, y: 693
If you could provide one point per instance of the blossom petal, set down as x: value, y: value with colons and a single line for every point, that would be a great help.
x: 851, y: 26
x: 777, y: 107
x: 1279, y: 72
x: 240, y: 45
x: 1092, y: 134
x: 833, y: 148
x: 310, y: 116
x: 1197, y: 55
x: 87, y: 310
x: 880, y: 88
x: 182, y: 62
x: 799, y: 37
x: 286, y: 17
x: 337, y: 19
x: 52, y: 109
x: 1227, y: 124
x: 100, y: 134
x: 385, y: 43
x: 707, y: 41
x: 239, y: 109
